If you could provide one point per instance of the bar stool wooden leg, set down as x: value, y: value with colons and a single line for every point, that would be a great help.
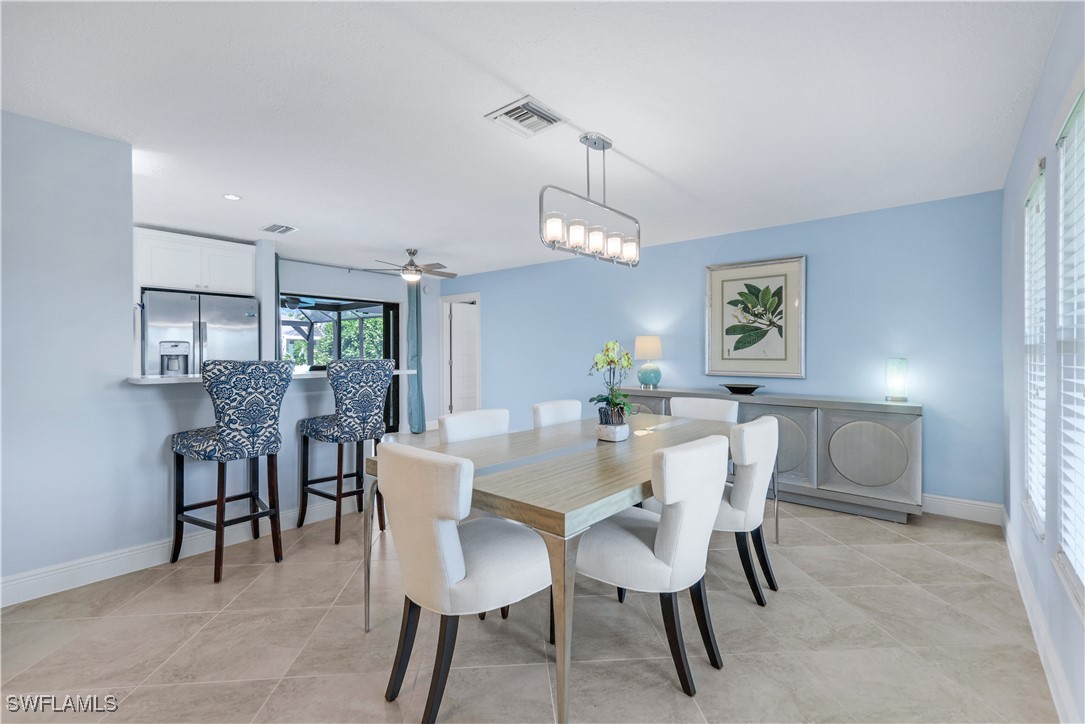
x: 338, y: 491
x: 304, y: 480
x: 178, y: 504
x: 220, y: 520
x: 273, y: 503
x: 359, y: 477
x: 254, y: 493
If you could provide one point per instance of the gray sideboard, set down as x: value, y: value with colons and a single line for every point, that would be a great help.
x: 855, y: 456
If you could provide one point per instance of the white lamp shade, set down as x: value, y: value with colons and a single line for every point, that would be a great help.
x: 648, y: 347
x: 577, y: 230
x: 630, y: 249
x: 896, y: 379
x: 596, y: 239
x: 614, y: 245
x: 554, y: 227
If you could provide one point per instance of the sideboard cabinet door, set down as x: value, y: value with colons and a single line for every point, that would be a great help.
x: 654, y: 405
x: 873, y: 454
x: 797, y: 455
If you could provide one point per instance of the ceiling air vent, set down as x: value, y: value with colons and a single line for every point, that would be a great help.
x: 279, y: 229
x: 525, y: 117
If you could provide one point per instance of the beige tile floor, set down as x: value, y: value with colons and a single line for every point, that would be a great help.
x: 874, y: 622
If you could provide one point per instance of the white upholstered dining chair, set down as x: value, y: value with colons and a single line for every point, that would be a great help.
x: 449, y: 566
x: 472, y: 424
x: 742, y: 510
x: 705, y: 408
x: 665, y: 552
x: 555, y: 412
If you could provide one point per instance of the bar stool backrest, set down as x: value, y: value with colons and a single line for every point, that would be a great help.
x: 360, y: 388
x: 247, y: 397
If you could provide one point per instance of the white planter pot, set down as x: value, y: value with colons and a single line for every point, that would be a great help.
x: 612, y: 433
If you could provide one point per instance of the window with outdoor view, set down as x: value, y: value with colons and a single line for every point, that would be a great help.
x: 314, y: 330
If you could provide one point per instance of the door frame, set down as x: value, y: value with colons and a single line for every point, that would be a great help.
x: 446, y: 310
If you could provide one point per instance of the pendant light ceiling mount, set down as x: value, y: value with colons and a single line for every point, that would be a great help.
x: 580, y: 225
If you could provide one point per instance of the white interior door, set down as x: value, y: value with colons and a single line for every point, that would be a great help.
x: 463, y: 371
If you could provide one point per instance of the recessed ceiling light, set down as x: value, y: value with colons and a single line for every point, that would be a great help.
x: 231, y: 197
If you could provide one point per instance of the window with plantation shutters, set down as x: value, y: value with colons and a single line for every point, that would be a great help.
x: 1070, y: 342
x: 1035, y: 354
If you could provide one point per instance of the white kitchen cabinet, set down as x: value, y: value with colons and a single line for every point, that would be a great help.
x: 165, y: 260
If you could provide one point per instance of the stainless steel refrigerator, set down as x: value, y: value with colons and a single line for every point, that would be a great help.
x: 210, y: 326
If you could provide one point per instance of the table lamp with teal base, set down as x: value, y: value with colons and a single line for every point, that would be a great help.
x: 648, y: 348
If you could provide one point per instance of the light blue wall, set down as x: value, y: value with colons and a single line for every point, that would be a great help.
x: 921, y: 282
x: 86, y: 456
x: 1055, y: 618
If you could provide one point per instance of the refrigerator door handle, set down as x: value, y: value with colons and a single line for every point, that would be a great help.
x: 203, y: 344
x: 197, y: 344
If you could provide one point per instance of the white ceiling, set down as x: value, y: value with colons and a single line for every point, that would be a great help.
x: 362, y: 124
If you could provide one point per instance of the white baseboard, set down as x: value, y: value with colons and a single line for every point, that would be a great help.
x: 53, y: 579
x: 1061, y: 692
x: 977, y: 510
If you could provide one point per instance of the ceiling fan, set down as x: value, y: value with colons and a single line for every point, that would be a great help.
x: 413, y: 271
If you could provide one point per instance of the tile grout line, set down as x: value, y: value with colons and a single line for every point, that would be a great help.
x: 201, y: 628
x: 308, y: 638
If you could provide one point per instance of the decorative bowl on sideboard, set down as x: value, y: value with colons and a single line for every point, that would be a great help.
x: 742, y: 389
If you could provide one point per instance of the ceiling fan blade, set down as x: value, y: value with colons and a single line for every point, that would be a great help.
x: 443, y: 275
x: 435, y: 265
x: 391, y: 272
x: 381, y: 261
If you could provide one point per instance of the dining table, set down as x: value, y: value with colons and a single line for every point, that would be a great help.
x: 559, y: 480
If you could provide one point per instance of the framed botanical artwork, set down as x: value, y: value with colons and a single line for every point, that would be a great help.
x: 755, y: 318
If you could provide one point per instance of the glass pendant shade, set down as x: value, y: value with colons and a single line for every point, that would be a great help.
x: 614, y: 245
x: 630, y: 249
x: 554, y: 228
x: 577, y: 231
x: 596, y: 239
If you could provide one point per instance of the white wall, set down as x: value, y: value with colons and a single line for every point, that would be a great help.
x: 1056, y: 621
x: 86, y: 458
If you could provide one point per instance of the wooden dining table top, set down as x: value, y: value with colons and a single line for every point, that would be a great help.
x: 561, y: 479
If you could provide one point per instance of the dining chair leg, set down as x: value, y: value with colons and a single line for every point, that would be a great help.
x: 551, y: 616
x: 254, y: 493
x: 446, y: 644
x: 621, y: 595
x: 407, y: 630
x: 699, y: 597
x: 338, y: 491
x: 504, y: 612
x: 178, y: 505
x: 669, y: 603
x: 273, y: 503
x: 380, y: 510
x: 482, y: 616
x: 304, y: 480
x: 747, y: 565
x: 220, y: 520
x: 359, y: 477
x: 763, y: 557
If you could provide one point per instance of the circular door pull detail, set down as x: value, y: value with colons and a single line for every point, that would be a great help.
x: 868, y: 453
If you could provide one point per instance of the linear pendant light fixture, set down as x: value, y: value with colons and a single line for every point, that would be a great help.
x: 579, y: 225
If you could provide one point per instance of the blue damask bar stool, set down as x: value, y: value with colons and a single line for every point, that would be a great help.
x: 246, y: 397
x: 360, y: 388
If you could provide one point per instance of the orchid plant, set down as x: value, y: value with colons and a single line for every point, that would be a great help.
x: 614, y: 363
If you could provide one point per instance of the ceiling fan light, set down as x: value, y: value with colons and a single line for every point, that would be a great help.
x: 410, y: 275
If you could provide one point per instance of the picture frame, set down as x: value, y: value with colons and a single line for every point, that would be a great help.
x: 755, y: 318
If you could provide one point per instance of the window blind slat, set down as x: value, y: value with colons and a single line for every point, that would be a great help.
x: 1070, y: 343
x: 1035, y: 352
